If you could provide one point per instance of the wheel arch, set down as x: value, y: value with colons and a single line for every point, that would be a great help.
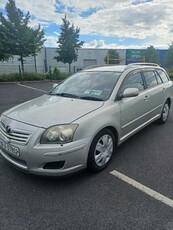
x: 91, y: 162
x: 114, y: 131
x: 169, y: 101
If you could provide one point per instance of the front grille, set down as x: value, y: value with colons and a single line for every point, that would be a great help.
x: 15, y: 135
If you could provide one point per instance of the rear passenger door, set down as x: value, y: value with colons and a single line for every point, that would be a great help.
x: 155, y: 92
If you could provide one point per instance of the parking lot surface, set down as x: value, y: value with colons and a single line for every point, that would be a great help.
x: 105, y: 201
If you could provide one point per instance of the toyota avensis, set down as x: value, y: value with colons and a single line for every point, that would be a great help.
x: 81, y: 121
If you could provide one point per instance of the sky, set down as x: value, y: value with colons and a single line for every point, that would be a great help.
x: 116, y: 24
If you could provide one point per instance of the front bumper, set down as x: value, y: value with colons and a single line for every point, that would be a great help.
x: 55, y: 161
x: 47, y: 159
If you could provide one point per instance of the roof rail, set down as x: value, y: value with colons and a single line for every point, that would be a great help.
x: 95, y: 66
x: 142, y: 64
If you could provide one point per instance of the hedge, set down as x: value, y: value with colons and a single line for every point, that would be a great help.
x: 13, y: 77
x: 55, y: 75
x: 170, y: 73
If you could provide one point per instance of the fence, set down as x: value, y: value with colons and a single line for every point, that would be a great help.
x: 12, y: 68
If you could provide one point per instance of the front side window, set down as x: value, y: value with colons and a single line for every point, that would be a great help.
x: 133, y: 80
x: 88, y: 85
x: 150, y: 78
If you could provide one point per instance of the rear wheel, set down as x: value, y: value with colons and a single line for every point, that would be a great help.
x: 165, y: 113
x: 101, y: 150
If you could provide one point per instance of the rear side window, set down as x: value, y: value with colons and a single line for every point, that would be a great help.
x: 158, y: 77
x: 150, y: 78
x: 163, y: 75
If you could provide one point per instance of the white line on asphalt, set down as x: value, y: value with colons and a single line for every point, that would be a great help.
x: 143, y: 188
x: 32, y: 88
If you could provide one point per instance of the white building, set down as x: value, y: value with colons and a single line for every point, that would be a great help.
x: 45, y: 60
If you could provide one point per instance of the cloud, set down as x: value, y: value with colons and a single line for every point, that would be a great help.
x: 133, y: 21
x: 2, y: 4
x: 42, y: 10
x: 99, y: 44
x: 51, y: 41
x: 141, y: 19
x: 84, y: 5
x: 104, y: 45
x: 35, y: 22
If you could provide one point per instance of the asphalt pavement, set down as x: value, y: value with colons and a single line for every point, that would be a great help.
x: 87, y: 201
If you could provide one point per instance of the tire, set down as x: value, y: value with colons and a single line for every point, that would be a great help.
x: 165, y: 113
x: 101, y: 150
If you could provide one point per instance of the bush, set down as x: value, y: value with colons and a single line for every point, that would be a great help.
x: 17, y: 77
x: 33, y: 77
x: 56, y: 75
x: 170, y: 73
x: 10, y: 77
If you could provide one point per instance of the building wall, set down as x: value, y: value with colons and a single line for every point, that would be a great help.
x: 12, y: 66
x: 45, y: 60
x: 86, y: 57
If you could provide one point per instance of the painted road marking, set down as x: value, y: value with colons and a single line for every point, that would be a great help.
x: 32, y: 88
x: 143, y: 188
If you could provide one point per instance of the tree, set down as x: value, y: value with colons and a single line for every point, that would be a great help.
x: 5, y: 35
x: 17, y: 37
x: 151, y: 55
x: 68, y: 43
x: 37, y: 42
x: 112, y: 57
x: 169, y: 57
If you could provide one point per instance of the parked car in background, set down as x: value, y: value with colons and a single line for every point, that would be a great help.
x: 81, y: 121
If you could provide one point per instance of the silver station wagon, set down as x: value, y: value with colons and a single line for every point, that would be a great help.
x: 81, y: 121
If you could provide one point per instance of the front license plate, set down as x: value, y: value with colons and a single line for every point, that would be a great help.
x: 9, y: 148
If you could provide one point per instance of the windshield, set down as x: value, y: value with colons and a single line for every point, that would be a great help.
x: 88, y: 85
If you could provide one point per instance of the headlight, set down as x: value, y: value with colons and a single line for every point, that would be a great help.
x: 59, y: 134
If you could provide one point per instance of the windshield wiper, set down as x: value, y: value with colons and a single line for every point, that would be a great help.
x: 66, y: 95
x: 75, y: 96
x: 91, y: 98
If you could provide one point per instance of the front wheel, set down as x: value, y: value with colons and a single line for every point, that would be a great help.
x: 165, y: 113
x: 101, y: 150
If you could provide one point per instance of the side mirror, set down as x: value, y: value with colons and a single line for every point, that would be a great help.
x: 55, y: 85
x: 130, y: 92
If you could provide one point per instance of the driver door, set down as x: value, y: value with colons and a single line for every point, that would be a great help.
x: 133, y: 109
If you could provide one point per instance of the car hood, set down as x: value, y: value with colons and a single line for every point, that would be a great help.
x: 47, y: 110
